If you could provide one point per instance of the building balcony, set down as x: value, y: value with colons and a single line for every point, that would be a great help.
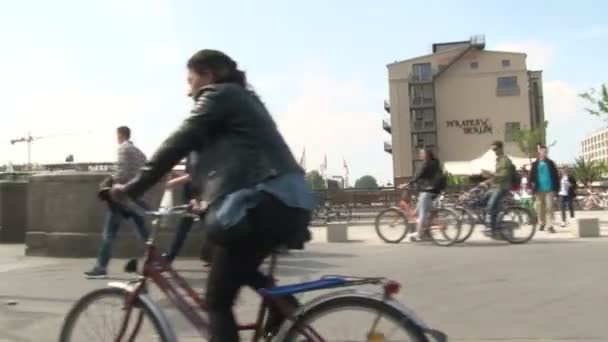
x: 388, y: 148
x: 422, y: 102
x: 386, y: 126
x: 387, y: 106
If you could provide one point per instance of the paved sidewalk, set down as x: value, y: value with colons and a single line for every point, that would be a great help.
x: 552, y: 289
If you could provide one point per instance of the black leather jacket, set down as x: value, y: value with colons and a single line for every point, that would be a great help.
x: 426, y: 177
x: 236, y: 140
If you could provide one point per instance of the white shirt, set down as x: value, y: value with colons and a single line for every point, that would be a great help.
x: 564, y: 186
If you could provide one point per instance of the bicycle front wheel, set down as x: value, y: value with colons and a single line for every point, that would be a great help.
x: 99, y: 316
x: 353, y: 318
x: 517, y: 224
x: 445, y: 226
x: 392, y: 225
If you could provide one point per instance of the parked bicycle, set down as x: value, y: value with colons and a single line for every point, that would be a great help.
x: 326, y: 213
x: 517, y: 223
x: 138, y: 318
x: 595, y: 200
x: 393, y: 224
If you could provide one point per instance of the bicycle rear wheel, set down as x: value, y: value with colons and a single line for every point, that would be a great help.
x: 145, y: 322
x: 467, y: 224
x: 353, y: 318
x: 445, y: 227
x: 517, y: 224
x: 392, y: 225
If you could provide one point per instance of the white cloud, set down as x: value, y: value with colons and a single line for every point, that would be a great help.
x: 42, y: 99
x: 329, y: 117
x: 561, y: 100
x: 539, y: 55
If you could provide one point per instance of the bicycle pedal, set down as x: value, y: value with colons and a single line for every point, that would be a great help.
x: 131, y: 266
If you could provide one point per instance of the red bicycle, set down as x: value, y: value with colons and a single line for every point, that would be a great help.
x: 134, y: 316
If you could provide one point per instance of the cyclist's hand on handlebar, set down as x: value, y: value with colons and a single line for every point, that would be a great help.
x: 118, y: 192
x: 197, y: 207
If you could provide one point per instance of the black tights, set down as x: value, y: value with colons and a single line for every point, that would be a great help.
x: 238, y: 263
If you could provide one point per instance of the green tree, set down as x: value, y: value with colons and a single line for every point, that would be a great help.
x: 588, y: 171
x: 315, y: 180
x: 366, y: 182
x: 528, y: 139
x: 598, y: 102
x: 455, y: 180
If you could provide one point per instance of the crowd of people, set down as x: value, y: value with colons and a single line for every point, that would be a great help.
x: 541, y: 185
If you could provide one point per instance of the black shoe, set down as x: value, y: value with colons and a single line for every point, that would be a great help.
x: 551, y: 230
x: 541, y: 227
x: 96, y: 273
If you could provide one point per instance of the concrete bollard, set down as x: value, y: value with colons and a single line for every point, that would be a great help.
x: 586, y: 227
x: 337, y: 232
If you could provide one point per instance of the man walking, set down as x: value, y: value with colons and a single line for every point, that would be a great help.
x: 190, y: 193
x: 130, y: 161
x: 544, y: 180
x: 567, y: 193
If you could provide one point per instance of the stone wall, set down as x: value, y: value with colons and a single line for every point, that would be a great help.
x: 65, y: 218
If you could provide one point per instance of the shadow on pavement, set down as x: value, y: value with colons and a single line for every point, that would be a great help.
x: 490, y: 243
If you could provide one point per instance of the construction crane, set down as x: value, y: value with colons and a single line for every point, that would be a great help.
x: 28, y: 139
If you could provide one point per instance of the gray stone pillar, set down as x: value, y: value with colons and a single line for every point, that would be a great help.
x: 13, y: 210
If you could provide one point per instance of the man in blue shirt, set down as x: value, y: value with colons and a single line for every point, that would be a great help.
x: 544, y: 180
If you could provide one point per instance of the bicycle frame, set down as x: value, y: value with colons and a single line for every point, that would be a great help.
x: 188, y: 302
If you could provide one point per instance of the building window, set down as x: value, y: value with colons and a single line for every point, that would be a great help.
x: 423, y: 119
x: 422, y: 72
x: 506, y: 63
x: 474, y: 65
x: 507, y: 86
x: 421, y: 95
x: 510, y: 130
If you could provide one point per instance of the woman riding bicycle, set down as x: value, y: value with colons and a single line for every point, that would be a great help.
x: 426, y: 183
x: 254, y: 191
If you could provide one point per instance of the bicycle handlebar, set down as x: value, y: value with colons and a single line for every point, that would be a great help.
x: 133, y: 207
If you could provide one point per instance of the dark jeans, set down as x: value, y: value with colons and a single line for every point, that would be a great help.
x: 237, y: 264
x: 566, y: 202
x: 111, y: 226
x: 495, y: 197
x: 184, y: 227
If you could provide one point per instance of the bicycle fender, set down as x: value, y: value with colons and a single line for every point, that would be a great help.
x: 402, y: 307
x: 121, y: 285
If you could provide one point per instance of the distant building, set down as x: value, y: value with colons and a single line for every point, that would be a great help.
x: 595, y: 146
x: 456, y: 101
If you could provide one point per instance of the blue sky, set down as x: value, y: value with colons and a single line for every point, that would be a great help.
x: 80, y: 68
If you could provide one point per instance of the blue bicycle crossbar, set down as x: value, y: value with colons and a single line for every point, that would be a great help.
x: 321, y: 284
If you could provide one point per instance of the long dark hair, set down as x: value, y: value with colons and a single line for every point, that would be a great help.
x: 224, y: 68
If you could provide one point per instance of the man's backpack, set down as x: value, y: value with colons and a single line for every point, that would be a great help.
x: 515, y: 176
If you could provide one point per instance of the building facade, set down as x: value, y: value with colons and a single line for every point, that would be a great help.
x: 595, y: 146
x: 456, y: 101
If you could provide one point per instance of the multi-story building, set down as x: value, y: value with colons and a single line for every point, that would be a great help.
x: 457, y: 100
x: 595, y: 146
